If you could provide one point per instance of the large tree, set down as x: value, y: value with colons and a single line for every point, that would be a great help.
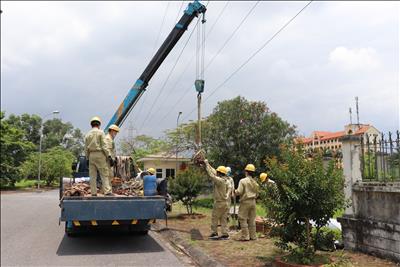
x: 30, y: 124
x: 74, y: 142
x: 54, y: 133
x: 56, y: 163
x: 14, y: 150
x: 236, y: 133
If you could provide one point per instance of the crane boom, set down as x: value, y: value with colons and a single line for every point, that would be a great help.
x: 134, y: 94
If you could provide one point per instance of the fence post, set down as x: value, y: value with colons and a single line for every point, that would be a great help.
x: 351, y: 167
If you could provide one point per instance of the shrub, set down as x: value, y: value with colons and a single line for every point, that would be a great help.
x: 187, y: 186
x: 324, y: 238
x: 304, y: 191
x: 204, y: 203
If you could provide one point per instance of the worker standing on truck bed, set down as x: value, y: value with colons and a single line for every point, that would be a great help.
x: 113, y: 130
x: 97, y: 155
x: 221, y: 194
x: 248, y: 191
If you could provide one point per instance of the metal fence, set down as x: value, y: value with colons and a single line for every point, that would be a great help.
x: 380, y: 157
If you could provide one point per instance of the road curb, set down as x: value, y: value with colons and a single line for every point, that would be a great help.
x: 198, y: 256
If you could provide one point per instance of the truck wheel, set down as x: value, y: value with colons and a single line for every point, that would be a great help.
x: 69, y: 231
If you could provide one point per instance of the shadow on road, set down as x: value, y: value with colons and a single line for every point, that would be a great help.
x: 107, y: 243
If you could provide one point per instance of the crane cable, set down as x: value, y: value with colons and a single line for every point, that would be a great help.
x: 168, y: 76
x: 187, y: 67
x: 252, y: 55
x: 170, y: 73
x: 216, y: 54
x: 199, y: 83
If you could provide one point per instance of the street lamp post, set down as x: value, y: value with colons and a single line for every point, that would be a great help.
x: 176, y: 148
x: 40, y: 145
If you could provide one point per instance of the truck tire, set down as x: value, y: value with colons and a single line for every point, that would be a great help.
x: 69, y: 232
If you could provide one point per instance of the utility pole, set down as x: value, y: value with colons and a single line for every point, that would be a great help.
x: 176, y: 148
x: 351, y: 119
x: 358, y: 115
x: 40, y: 145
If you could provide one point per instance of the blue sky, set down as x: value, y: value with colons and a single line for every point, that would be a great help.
x: 82, y: 57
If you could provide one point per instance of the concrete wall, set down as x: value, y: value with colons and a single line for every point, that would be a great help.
x: 372, y: 222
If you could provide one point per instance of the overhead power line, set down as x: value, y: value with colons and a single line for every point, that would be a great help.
x: 219, y: 50
x: 232, y: 34
x: 154, y: 49
x: 251, y: 57
x: 169, y: 75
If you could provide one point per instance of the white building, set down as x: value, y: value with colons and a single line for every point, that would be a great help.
x: 165, y: 163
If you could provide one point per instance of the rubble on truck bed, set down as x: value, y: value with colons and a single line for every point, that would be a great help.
x: 122, y: 187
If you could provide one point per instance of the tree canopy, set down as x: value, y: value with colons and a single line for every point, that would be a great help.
x: 237, y: 132
x: 15, y: 148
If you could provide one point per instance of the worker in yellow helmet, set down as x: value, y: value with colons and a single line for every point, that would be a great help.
x: 265, y: 179
x: 221, y: 193
x: 113, y: 130
x: 248, y: 191
x: 97, y: 153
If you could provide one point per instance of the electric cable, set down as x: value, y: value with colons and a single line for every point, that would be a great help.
x: 252, y: 56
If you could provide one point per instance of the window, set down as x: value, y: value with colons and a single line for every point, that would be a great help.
x: 170, y: 173
x: 159, y: 173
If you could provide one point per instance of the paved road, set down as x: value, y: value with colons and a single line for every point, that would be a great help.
x: 31, y: 236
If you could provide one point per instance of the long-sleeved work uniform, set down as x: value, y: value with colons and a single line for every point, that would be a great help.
x: 110, y: 146
x: 248, y: 191
x: 96, y: 152
x: 220, y: 194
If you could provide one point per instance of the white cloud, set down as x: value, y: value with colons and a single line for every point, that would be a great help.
x: 354, y: 59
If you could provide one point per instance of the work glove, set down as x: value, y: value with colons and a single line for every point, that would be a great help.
x: 110, y: 159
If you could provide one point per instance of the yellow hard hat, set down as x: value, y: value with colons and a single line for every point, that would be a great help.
x: 263, y: 176
x: 114, y: 127
x: 151, y: 170
x: 95, y: 118
x: 250, y: 168
x: 222, y: 169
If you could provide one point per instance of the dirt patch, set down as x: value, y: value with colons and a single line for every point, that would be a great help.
x: 190, y: 216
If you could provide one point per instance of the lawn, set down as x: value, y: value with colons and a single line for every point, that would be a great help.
x: 254, y: 253
x: 30, y: 184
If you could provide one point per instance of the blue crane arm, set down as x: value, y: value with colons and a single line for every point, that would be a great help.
x: 134, y: 94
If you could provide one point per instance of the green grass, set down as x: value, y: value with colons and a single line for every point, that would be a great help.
x: 24, y: 183
x: 260, y: 211
x: 204, y: 205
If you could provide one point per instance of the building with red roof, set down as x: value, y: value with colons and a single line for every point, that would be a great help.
x: 331, y: 140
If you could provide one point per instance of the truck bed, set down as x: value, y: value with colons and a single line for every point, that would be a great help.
x: 76, y: 208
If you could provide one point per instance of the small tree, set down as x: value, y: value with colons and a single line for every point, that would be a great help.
x: 56, y: 163
x: 305, y: 191
x: 186, y: 186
